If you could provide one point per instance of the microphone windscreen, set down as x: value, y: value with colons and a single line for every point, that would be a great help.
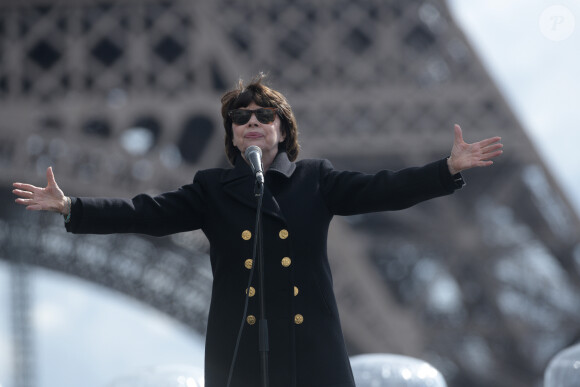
x: 251, y: 149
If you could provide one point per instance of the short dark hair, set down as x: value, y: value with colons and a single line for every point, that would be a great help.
x: 264, y: 96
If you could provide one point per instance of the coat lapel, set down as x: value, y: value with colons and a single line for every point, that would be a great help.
x: 240, y: 184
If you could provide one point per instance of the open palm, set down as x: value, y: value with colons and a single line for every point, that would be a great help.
x: 478, y: 154
x: 50, y: 198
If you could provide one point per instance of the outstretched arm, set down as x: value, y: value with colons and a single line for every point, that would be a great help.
x: 50, y: 198
x: 465, y: 156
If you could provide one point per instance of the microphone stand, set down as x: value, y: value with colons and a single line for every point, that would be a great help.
x: 263, y: 345
x: 258, y: 255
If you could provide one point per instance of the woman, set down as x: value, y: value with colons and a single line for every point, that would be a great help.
x: 306, y: 346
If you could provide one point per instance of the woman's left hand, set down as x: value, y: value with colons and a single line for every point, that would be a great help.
x: 465, y: 156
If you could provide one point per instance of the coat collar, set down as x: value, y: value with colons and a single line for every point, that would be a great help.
x: 240, y: 183
x: 281, y: 165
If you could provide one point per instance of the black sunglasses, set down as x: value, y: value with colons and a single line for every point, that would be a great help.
x: 242, y: 116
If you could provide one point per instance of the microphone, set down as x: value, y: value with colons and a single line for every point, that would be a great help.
x: 253, y: 154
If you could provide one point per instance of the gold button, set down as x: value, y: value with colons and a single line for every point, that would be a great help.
x: 248, y: 264
x: 246, y: 235
x: 251, y: 320
x: 295, y: 291
x: 283, y: 234
x: 252, y: 291
x: 286, y: 261
x: 298, y: 319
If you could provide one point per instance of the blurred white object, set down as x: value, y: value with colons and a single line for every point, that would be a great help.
x: 163, y: 376
x: 387, y: 370
x: 564, y: 368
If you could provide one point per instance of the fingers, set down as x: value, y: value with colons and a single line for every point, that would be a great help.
x: 23, y: 194
x: 489, y: 141
x: 36, y: 198
x: 492, y: 155
x: 492, y: 148
x: 30, y: 204
x: 458, y: 134
x: 50, y: 177
x: 482, y: 143
x: 26, y: 194
x: 25, y: 187
x: 485, y: 163
x: 491, y: 151
x: 477, y: 154
x: 25, y: 202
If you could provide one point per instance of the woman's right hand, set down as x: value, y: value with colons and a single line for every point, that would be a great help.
x: 50, y: 198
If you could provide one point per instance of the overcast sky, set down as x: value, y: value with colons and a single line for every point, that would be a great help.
x: 530, y: 47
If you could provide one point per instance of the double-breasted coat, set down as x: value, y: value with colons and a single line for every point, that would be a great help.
x: 306, y: 345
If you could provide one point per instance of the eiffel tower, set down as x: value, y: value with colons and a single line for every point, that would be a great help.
x: 122, y: 97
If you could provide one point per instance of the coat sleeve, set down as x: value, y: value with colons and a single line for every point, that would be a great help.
x: 350, y: 193
x: 168, y: 213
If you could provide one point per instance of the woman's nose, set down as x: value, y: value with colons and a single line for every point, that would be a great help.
x: 253, y: 120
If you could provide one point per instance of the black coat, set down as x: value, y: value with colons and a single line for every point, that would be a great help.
x: 306, y: 343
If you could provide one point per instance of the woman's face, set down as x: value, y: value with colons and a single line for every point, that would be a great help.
x: 253, y: 132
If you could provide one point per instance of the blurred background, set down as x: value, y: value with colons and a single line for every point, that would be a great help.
x: 122, y: 97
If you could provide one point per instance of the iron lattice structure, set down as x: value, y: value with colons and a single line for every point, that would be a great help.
x: 123, y: 97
